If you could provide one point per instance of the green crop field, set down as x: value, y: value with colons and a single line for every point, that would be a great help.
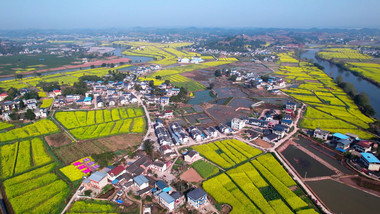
x: 94, y: 206
x: 41, y: 127
x: 21, y: 156
x: 101, y: 123
x: 259, y: 186
x: 227, y: 153
x: 25, y: 63
x: 205, y: 169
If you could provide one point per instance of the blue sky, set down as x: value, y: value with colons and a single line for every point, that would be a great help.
x: 74, y: 14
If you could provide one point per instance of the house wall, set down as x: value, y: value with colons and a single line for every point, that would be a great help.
x: 169, y: 206
x: 144, y: 185
x: 374, y: 167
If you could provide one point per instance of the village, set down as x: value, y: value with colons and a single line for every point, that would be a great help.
x: 183, y: 127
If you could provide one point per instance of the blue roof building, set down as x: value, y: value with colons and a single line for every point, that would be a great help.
x: 197, y: 197
x: 161, y: 185
x: 141, y: 181
x: 166, y: 200
x: 370, y: 161
x: 87, y: 99
x: 340, y: 136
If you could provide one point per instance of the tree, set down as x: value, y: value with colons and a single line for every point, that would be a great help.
x: 112, y: 65
x: 103, y: 64
x: 167, y: 82
x: 362, y: 99
x: 265, y: 78
x: 12, y: 93
x: 31, y: 95
x: 148, y: 145
x: 339, y: 79
x: 14, y: 115
x: 151, y: 83
x: 158, y: 77
x: 138, y: 88
x: 233, y: 78
x: 30, y: 114
x: 92, y: 66
x: 211, y: 86
x: 21, y: 105
x: 218, y: 73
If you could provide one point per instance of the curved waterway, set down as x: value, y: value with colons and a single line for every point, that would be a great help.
x: 361, y: 85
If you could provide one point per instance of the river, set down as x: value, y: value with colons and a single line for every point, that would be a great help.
x: 361, y: 85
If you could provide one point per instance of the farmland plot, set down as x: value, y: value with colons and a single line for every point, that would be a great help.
x: 227, y: 153
x: 41, y: 127
x: 21, y: 156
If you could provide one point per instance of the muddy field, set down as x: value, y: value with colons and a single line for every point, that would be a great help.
x: 191, y: 176
x: 224, y: 113
x: 57, y: 140
x: 75, y: 151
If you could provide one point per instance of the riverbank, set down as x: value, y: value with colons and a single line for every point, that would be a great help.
x: 344, y: 67
x: 360, y: 84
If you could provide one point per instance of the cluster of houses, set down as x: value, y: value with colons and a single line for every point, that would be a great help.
x: 352, y: 143
x: 271, y: 130
x: 8, y: 106
x: 135, y: 177
x: 175, y: 134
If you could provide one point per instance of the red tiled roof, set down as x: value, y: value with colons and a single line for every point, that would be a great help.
x: 364, y: 144
x: 116, y: 171
x: 3, y: 95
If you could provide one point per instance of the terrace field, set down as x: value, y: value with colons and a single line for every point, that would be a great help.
x: 258, y: 186
x: 101, y: 123
x: 329, y: 107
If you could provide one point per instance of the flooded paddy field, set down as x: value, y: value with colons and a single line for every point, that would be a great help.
x: 241, y: 102
x: 341, y: 198
x: 305, y: 165
x: 229, y: 92
x: 201, y: 97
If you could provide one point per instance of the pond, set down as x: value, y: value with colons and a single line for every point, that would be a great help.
x: 341, y: 198
x: 201, y: 97
x: 305, y: 165
x: 135, y: 59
